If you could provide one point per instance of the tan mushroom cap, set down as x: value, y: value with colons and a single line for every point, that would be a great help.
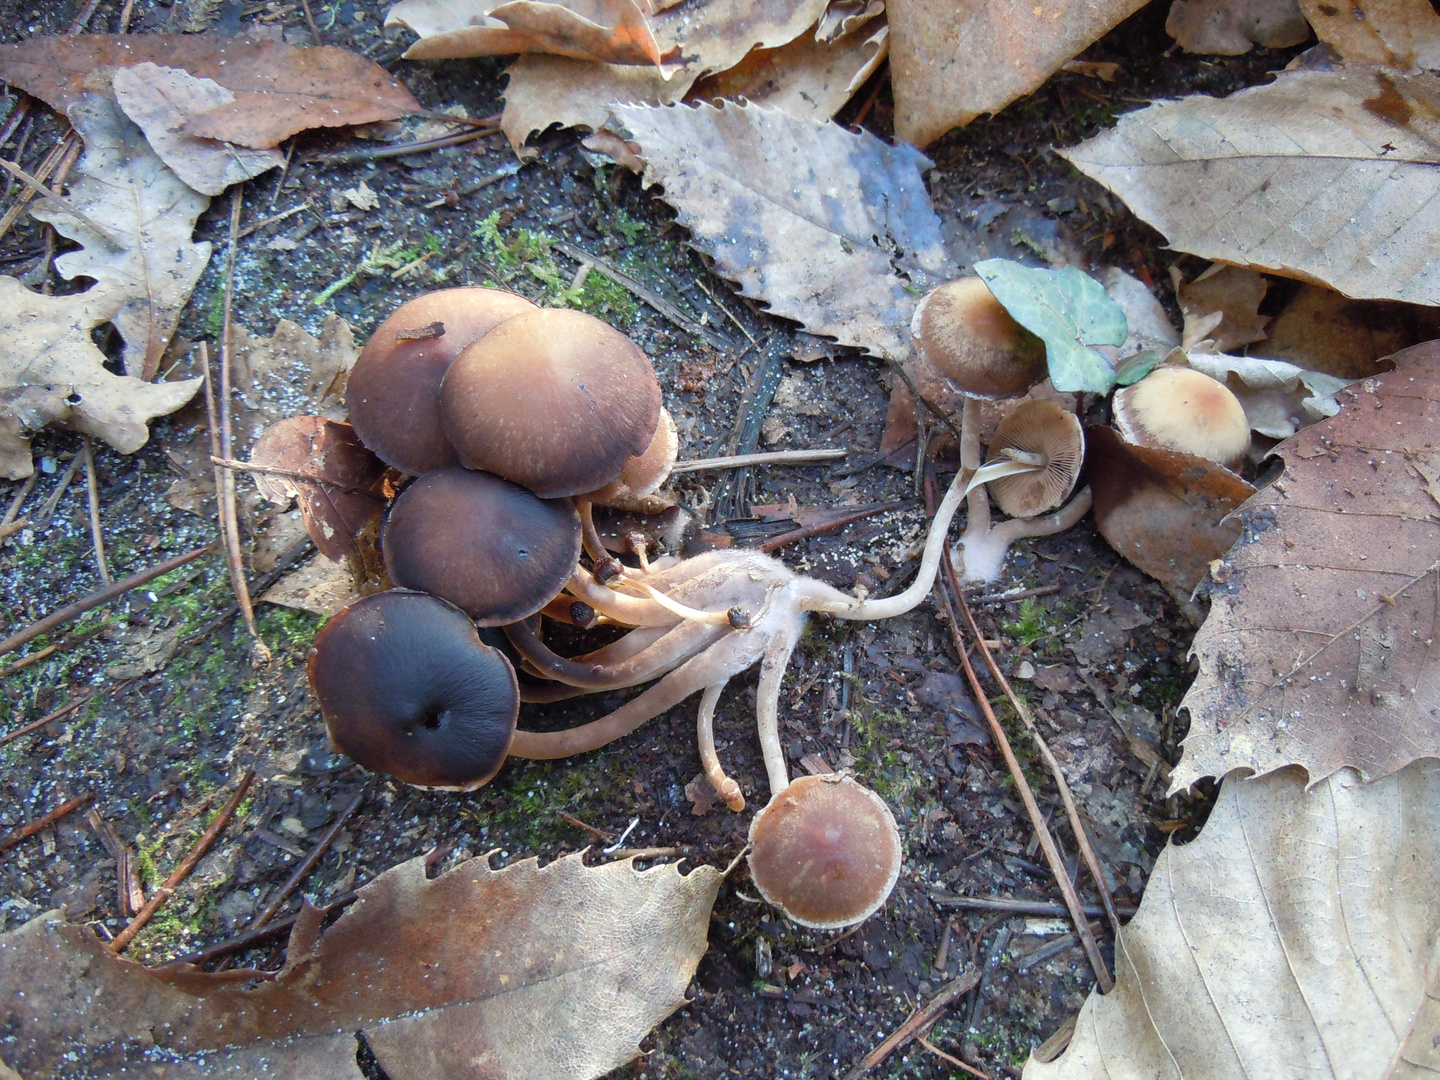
x: 1179, y: 408
x: 825, y: 851
x: 1038, y: 427
x: 968, y: 338
x: 644, y: 473
x: 552, y: 399
x: 394, y: 390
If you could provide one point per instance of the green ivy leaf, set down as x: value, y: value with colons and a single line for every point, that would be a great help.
x: 1066, y: 309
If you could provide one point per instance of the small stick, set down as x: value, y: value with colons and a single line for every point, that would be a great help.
x: 65, y: 204
x: 47, y: 508
x: 308, y: 863
x: 1012, y: 595
x: 1019, y: 907
x: 92, y: 490
x: 125, y: 12
x: 103, y: 596
x: 246, y: 938
x: 41, y: 822
x: 13, y: 510
x: 43, y: 171
x: 422, y: 146
x: 256, y: 226
x: 310, y: 22
x: 35, y: 725
x: 181, y: 872
x: 129, y: 898
x: 13, y: 527
x: 775, y: 543
x: 716, y: 301
x: 599, y: 834
x: 919, y: 1020
x: 771, y: 457
x: 950, y: 1058
x: 289, y: 474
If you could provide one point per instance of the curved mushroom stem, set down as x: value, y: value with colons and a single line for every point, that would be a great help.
x: 606, y: 565
x: 674, y: 647
x: 734, y: 618
x: 724, y: 786
x: 566, y: 609
x: 978, y: 558
x: 767, y: 710
x: 622, y: 607
x: 978, y: 517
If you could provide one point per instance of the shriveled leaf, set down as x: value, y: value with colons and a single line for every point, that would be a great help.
x: 806, y: 77
x: 1295, y: 937
x: 279, y: 89
x: 529, y: 971
x: 829, y: 228
x: 605, y: 31
x: 1320, y: 330
x: 1069, y: 311
x: 1396, y: 33
x: 1232, y: 27
x: 161, y: 101
x: 1147, y: 325
x: 1164, y: 511
x: 148, y: 214
x: 1332, y: 176
x: 1278, y: 398
x: 1319, y: 648
x: 321, y: 586
x: 844, y: 17
x: 1222, y: 306
x: 545, y: 90
x: 52, y: 373
x: 952, y: 60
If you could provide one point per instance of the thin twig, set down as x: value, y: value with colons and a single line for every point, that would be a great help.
x: 256, y: 226
x: 772, y: 457
x: 129, y: 897
x: 63, y: 203
x: 919, y: 1020
x: 422, y: 146
x: 35, y: 725
x: 599, y: 834
x: 11, y: 528
x: 308, y: 863
x: 315, y: 38
x: 716, y: 301
x: 42, y: 172
x: 47, y: 508
x: 181, y: 872
x: 951, y: 1058
x: 1019, y: 907
x: 835, y: 524
x: 92, y: 491
x: 102, y: 596
x: 41, y: 822
x: 247, y: 938
x: 13, y: 510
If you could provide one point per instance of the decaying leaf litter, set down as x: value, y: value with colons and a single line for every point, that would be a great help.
x: 799, y: 984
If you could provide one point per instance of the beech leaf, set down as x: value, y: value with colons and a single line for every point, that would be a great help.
x: 606, y: 31
x: 830, y: 228
x: 1319, y: 649
x: 279, y: 89
x: 1332, y: 176
x: 1232, y: 27
x: 1397, y: 33
x: 526, y: 972
x: 1296, y: 936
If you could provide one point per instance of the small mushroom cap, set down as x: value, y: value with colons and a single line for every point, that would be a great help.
x: 968, y: 338
x: 825, y: 851
x: 643, y: 473
x: 394, y: 389
x: 494, y: 550
x: 407, y: 688
x: 1179, y: 408
x: 553, y: 399
x: 1038, y: 426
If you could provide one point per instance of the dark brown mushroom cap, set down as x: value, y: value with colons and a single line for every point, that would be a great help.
x: 968, y: 338
x: 394, y: 389
x: 825, y: 851
x: 496, y: 551
x: 407, y: 688
x: 554, y: 399
x: 1179, y: 408
x: 1039, y: 427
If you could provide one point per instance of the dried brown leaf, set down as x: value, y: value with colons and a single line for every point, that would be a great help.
x: 1319, y: 647
x: 51, y: 372
x: 604, y: 31
x: 1330, y: 176
x: 149, y: 216
x: 1222, y: 305
x: 1295, y: 937
x: 321, y: 586
x: 1232, y: 27
x: 279, y: 89
x: 1320, y: 330
x: 1396, y: 33
x: 951, y: 60
x: 545, y: 90
x: 161, y: 101
x: 828, y: 227
x: 526, y: 972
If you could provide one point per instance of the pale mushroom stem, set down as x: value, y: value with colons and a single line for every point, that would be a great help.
x: 724, y: 786
x: 978, y: 558
x: 594, y: 546
x: 767, y: 710
x: 622, y: 607
x: 678, y: 645
x: 978, y: 518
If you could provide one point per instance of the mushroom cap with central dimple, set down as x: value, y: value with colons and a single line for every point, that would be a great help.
x: 825, y: 851
x: 553, y: 399
x: 964, y: 335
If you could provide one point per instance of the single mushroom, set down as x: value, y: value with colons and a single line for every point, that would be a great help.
x: 407, y: 688
x: 394, y: 389
x: 643, y: 473
x: 1179, y: 408
x: 1048, y: 438
x: 490, y: 547
x: 825, y: 851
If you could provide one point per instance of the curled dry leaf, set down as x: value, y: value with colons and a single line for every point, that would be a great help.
x: 1396, y: 33
x: 1278, y: 398
x: 148, y: 214
x: 51, y: 372
x: 545, y: 90
x: 1295, y: 937
x: 1325, y: 175
x: 1164, y: 511
x: 526, y: 972
x: 1320, y: 330
x: 952, y: 60
x: 605, y: 31
x: 827, y: 227
x: 279, y: 89
x: 1232, y: 27
x: 1319, y: 649
x: 1222, y: 306
x: 161, y: 101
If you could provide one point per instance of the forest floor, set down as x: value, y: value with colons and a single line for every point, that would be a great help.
x: 1097, y: 649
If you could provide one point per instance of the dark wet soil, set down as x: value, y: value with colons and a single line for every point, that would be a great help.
x: 1097, y: 649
